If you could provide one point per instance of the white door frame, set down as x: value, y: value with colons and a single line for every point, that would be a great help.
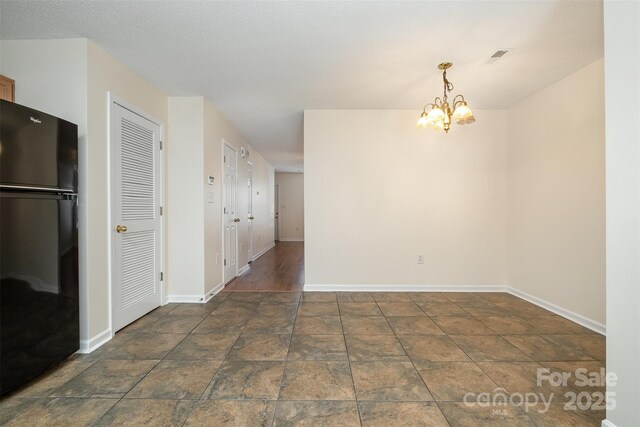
x: 112, y: 100
x: 223, y: 198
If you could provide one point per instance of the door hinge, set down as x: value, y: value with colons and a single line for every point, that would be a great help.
x: 225, y: 262
x: 224, y: 159
x: 225, y: 210
x: 160, y: 210
x: 161, y: 145
x: 161, y: 276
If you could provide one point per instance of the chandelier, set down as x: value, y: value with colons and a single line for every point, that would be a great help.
x: 441, y: 113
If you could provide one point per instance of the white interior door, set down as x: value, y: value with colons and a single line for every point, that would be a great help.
x: 136, y: 231
x: 250, y: 210
x: 229, y: 211
x: 276, y: 202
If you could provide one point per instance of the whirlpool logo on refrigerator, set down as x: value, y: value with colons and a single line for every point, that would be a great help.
x: 34, y: 120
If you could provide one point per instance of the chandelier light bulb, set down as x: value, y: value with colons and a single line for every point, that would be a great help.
x: 436, y: 114
x: 462, y: 112
x: 436, y: 125
x: 423, y: 121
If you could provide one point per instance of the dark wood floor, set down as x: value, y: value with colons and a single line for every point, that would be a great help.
x: 281, y: 269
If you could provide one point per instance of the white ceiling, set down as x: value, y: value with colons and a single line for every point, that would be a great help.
x: 263, y: 63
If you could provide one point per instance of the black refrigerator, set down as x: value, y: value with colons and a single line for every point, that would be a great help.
x: 39, y: 317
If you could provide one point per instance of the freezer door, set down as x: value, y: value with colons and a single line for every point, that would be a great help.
x: 39, y: 323
x: 37, y: 149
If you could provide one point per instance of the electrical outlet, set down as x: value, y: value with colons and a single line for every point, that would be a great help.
x: 420, y: 259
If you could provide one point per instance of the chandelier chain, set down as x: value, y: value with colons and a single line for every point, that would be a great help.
x: 448, y: 86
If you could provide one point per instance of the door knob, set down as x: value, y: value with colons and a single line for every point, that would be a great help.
x: 121, y: 228
x: 251, y: 218
x: 236, y: 220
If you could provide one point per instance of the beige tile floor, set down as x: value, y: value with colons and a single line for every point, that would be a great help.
x: 321, y: 359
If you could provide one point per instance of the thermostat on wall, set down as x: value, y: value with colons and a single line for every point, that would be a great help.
x: 210, y: 180
x: 244, y: 152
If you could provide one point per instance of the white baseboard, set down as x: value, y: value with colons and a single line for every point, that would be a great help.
x: 217, y: 288
x: 87, y: 346
x: 264, y: 251
x: 401, y: 288
x: 195, y: 299
x: 243, y: 270
x: 187, y: 298
x: 567, y: 314
x: 291, y: 239
x: 607, y: 423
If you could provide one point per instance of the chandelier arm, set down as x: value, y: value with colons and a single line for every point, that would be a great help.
x: 455, y: 103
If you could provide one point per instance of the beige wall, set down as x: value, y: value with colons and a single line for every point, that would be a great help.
x: 71, y: 79
x: 212, y: 194
x: 196, y: 133
x: 530, y: 180
x: 622, y: 89
x: 378, y: 192
x: 106, y: 75
x: 36, y: 64
x: 291, y: 211
x: 185, y: 203
x: 557, y: 195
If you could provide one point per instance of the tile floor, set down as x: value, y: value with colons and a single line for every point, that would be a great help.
x: 321, y: 359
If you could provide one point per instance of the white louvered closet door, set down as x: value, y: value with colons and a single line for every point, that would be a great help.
x: 136, y: 216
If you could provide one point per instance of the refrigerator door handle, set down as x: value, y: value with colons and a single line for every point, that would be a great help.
x: 45, y: 189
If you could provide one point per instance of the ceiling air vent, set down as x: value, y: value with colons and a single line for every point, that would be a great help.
x: 497, y: 55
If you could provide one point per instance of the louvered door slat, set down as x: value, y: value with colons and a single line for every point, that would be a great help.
x: 138, y: 174
x: 138, y: 266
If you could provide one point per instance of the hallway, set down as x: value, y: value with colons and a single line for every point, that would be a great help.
x: 281, y: 269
